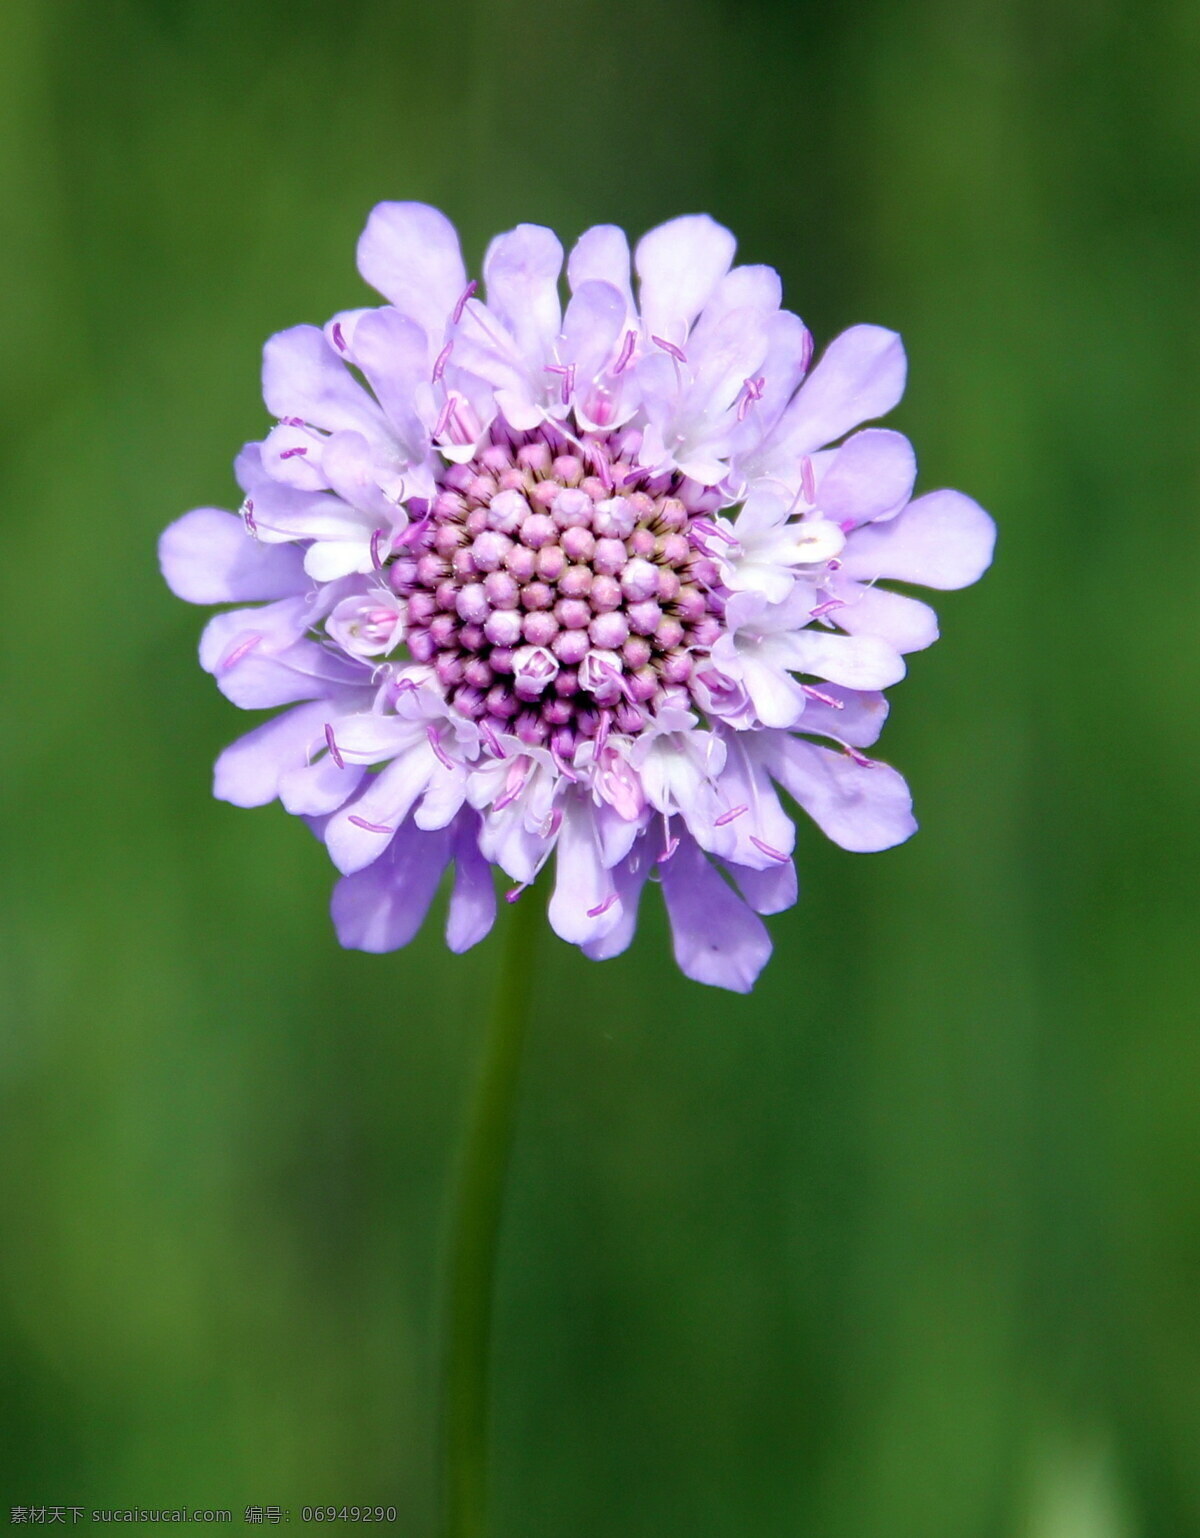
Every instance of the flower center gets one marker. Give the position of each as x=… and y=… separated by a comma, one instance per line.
x=559, y=589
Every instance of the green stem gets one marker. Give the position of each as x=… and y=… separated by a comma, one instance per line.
x=475, y=1232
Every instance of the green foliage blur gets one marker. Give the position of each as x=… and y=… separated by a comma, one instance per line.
x=904, y=1245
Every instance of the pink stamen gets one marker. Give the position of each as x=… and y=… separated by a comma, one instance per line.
x=807, y=482
x=291, y=453
x=414, y=531
x=672, y=846
x=369, y=827
x=669, y=347
x=772, y=854
x=458, y=423
x=514, y=892
x=728, y=817
x=444, y=415
x=752, y=390
x=606, y=720
x=551, y=823
x=339, y=340
x=595, y=913
x=511, y=792
x=462, y=302
x=859, y=758
x=439, y=363
x=489, y=736
x=564, y=768
x=376, y=559
x=248, y=516
x=823, y=699
x=236, y=653
x=627, y=347
x=603, y=467
x=712, y=531
x=439, y=752
x=331, y=744
x=827, y=607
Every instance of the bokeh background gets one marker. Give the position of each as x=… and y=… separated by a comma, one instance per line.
x=905, y=1245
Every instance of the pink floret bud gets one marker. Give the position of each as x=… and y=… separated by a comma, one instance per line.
x=539, y=627
x=610, y=556
x=501, y=590
x=606, y=593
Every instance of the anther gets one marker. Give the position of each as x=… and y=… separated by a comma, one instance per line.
x=236, y=653
x=331, y=744
x=439, y=364
x=595, y=913
x=727, y=817
x=369, y=827
x=771, y=853
x=462, y=302
x=339, y=340
x=626, y=354
x=669, y=347
x=822, y=699
x=488, y=734
x=435, y=742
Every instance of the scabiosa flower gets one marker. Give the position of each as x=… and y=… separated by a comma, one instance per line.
x=591, y=582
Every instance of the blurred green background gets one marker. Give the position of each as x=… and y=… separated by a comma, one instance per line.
x=908, y=1242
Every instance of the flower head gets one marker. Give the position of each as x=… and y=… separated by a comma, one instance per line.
x=590, y=583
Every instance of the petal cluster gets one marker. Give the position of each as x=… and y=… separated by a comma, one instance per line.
x=592, y=581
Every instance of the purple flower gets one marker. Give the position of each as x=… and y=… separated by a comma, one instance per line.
x=591, y=583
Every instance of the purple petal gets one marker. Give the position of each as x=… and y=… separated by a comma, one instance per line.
x=393, y=352
x=629, y=877
x=580, y=908
x=942, y=540
x=303, y=376
x=305, y=671
x=259, y=660
x=283, y=513
x=871, y=476
x=208, y=556
x=473, y=897
x=382, y=907
x=410, y=253
x=249, y=770
x=859, y=662
x=601, y=255
x=592, y=328
x=717, y=939
x=861, y=807
x=359, y=832
x=742, y=288
x=767, y=891
x=904, y=623
x=521, y=272
x=680, y=263
x=857, y=718
x=859, y=377
x=312, y=790
x=789, y=347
